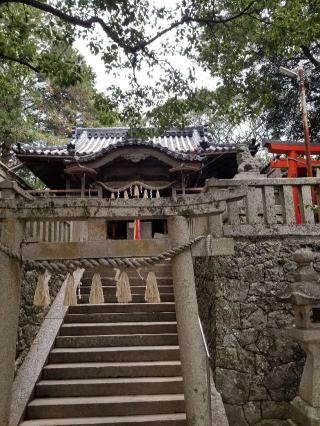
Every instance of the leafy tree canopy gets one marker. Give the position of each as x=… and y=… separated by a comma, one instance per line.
x=242, y=43
x=47, y=87
x=127, y=34
x=246, y=57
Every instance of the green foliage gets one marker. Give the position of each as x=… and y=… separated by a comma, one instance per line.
x=45, y=85
x=36, y=41
x=242, y=43
x=245, y=55
x=34, y=109
x=105, y=111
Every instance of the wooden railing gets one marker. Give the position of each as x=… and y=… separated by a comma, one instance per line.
x=48, y=231
x=270, y=203
x=96, y=193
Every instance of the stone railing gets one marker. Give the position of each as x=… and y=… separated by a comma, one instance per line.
x=281, y=205
x=73, y=193
x=250, y=207
x=48, y=231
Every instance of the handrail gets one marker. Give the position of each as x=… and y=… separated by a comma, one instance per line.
x=207, y=368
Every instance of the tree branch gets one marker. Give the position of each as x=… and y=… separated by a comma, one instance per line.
x=74, y=20
x=310, y=56
x=132, y=49
x=20, y=61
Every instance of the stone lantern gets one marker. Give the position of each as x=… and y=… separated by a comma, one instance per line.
x=304, y=294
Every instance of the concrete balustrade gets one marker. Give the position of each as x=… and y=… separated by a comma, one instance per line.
x=48, y=231
x=233, y=207
x=269, y=206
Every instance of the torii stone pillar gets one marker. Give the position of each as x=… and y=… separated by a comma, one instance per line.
x=191, y=345
x=10, y=278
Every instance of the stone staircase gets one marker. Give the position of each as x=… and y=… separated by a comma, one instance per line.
x=114, y=364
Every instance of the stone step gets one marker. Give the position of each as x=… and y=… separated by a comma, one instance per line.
x=177, y=419
x=116, y=340
x=93, y=370
x=135, y=289
x=105, y=406
x=109, y=281
x=163, y=272
x=136, y=298
x=122, y=308
x=119, y=354
x=131, y=271
x=119, y=317
x=118, y=328
x=109, y=387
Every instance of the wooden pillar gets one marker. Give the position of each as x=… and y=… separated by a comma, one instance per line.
x=10, y=282
x=68, y=186
x=68, y=183
x=183, y=184
x=83, y=185
x=192, y=352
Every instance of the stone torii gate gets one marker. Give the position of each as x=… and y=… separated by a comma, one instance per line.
x=16, y=208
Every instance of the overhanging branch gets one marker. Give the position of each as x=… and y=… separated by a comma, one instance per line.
x=309, y=55
x=19, y=61
x=113, y=35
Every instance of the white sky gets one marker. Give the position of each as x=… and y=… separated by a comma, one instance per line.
x=104, y=79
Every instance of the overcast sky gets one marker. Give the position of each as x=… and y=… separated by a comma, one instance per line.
x=104, y=79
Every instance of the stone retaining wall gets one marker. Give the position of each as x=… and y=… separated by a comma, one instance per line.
x=31, y=317
x=257, y=368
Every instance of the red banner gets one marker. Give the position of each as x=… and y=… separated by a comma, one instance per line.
x=136, y=230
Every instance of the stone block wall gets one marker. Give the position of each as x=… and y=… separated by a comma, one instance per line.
x=31, y=317
x=257, y=369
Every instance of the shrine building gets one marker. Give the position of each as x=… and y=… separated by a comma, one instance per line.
x=109, y=163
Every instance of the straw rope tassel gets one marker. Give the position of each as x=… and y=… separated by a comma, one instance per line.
x=117, y=271
x=136, y=192
x=70, y=295
x=96, y=292
x=123, y=289
x=152, y=292
x=42, y=295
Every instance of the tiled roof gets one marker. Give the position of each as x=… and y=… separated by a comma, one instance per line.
x=189, y=144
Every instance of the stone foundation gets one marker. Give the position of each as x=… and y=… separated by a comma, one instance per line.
x=31, y=317
x=256, y=367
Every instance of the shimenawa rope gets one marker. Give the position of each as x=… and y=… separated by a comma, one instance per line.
x=58, y=266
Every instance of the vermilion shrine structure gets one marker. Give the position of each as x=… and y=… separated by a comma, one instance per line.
x=290, y=157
